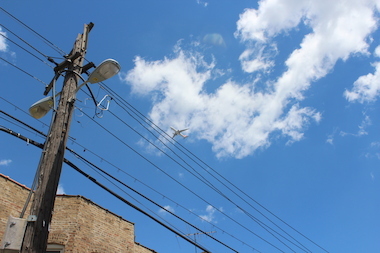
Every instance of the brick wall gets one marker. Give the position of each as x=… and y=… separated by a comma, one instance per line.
x=78, y=223
x=12, y=199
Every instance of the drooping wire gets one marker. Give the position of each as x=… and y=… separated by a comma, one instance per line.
x=148, y=119
x=185, y=187
x=24, y=71
x=26, y=113
x=202, y=161
x=143, y=196
x=49, y=43
x=260, y=223
x=119, y=169
x=45, y=62
x=25, y=48
x=96, y=169
x=264, y=228
x=163, y=133
x=108, y=190
x=208, y=183
x=35, y=56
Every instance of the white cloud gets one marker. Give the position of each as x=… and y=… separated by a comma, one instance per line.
x=165, y=209
x=238, y=118
x=331, y=137
x=60, y=189
x=296, y=119
x=205, y=4
x=330, y=140
x=258, y=59
x=5, y=162
x=377, y=51
x=3, y=44
x=214, y=39
x=209, y=217
x=235, y=119
x=362, y=128
x=366, y=88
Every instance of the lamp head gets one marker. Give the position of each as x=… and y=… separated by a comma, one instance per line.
x=41, y=107
x=105, y=70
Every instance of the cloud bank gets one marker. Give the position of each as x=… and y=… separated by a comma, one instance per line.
x=239, y=118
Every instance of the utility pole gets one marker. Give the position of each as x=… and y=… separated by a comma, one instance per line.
x=50, y=166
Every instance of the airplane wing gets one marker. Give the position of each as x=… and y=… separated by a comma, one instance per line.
x=183, y=130
x=175, y=130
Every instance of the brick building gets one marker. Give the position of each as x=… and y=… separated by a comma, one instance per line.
x=78, y=224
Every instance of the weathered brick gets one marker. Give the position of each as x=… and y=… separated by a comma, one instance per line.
x=78, y=223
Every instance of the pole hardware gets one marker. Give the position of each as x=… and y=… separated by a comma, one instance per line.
x=32, y=218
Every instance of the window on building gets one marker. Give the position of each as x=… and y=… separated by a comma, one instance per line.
x=55, y=248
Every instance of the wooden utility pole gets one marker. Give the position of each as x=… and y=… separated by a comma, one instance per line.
x=50, y=166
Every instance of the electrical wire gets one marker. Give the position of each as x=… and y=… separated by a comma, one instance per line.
x=108, y=190
x=24, y=71
x=8, y=101
x=185, y=187
x=2, y=25
x=119, y=169
x=163, y=133
x=151, y=201
x=96, y=167
x=99, y=171
x=49, y=43
x=26, y=49
x=260, y=223
x=209, y=184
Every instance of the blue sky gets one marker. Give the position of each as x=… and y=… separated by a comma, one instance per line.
x=281, y=99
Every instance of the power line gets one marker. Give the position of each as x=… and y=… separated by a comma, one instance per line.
x=143, y=196
x=251, y=217
x=96, y=167
x=25, y=48
x=105, y=188
x=191, y=191
x=163, y=133
x=24, y=112
x=23, y=71
x=198, y=159
x=132, y=205
x=56, y=48
x=208, y=183
x=260, y=223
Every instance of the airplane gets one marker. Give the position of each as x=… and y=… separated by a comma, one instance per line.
x=178, y=132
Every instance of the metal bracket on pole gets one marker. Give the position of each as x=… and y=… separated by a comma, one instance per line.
x=14, y=234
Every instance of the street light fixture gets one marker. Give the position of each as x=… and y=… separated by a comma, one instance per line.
x=104, y=71
x=41, y=107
